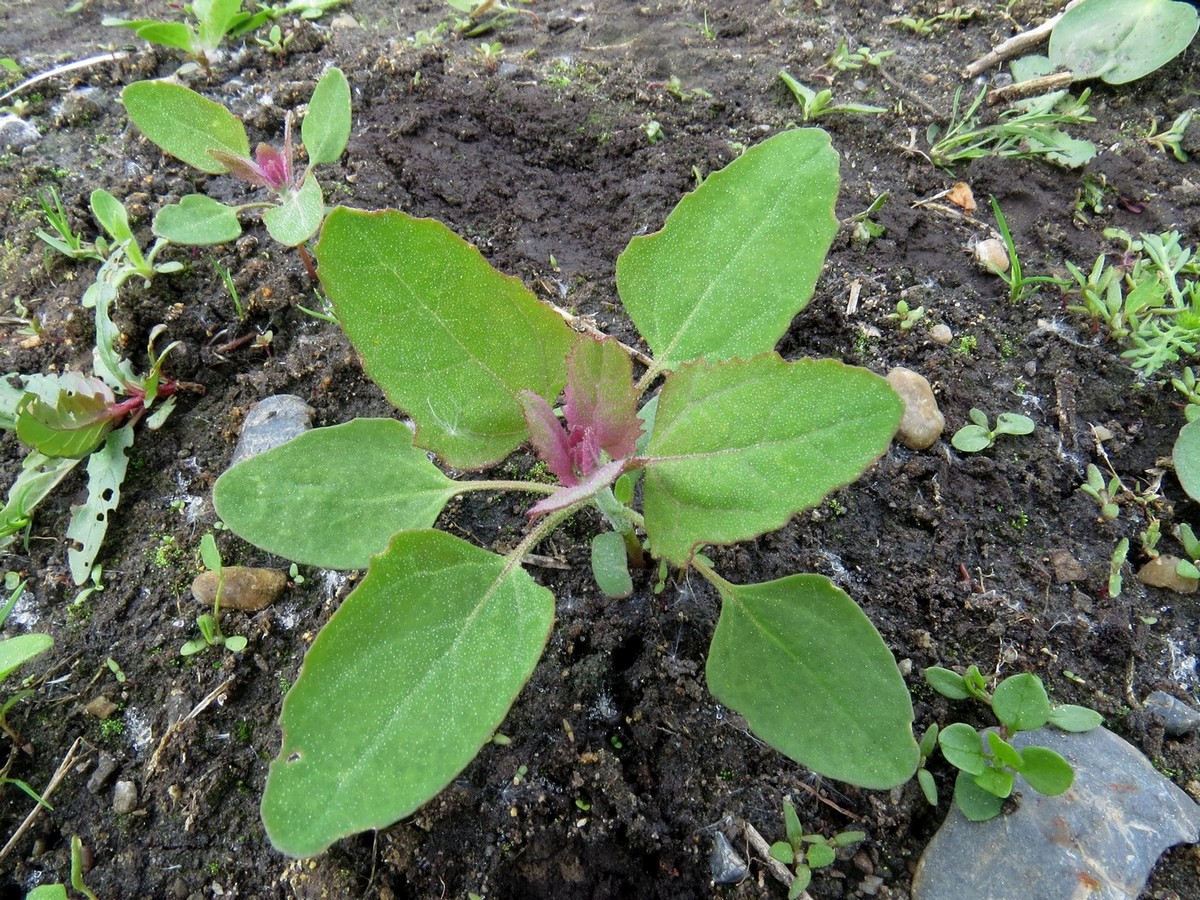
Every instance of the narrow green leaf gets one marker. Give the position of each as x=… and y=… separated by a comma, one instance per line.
x=1121, y=40
x=739, y=256
x=299, y=216
x=1020, y=702
x=976, y=804
x=16, y=651
x=39, y=475
x=449, y=339
x=963, y=747
x=111, y=214
x=947, y=683
x=325, y=130
x=333, y=497
x=740, y=447
x=1069, y=717
x=610, y=565
x=813, y=678
x=791, y=824
x=89, y=521
x=184, y=124
x=1046, y=771
x=928, y=786
x=928, y=742
x=197, y=220
x=410, y=677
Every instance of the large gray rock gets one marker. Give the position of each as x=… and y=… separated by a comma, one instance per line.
x=1099, y=840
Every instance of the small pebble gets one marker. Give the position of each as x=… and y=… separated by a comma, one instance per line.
x=100, y=707
x=1160, y=572
x=245, y=588
x=941, y=334
x=16, y=133
x=1066, y=567
x=923, y=423
x=271, y=422
x=1177, y=717
x=125, y=797
x=724, y=863
x=991, y=255
x=106, y=767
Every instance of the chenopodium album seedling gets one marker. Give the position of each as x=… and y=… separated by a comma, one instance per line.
x=986, y=761
x=420, y=664
x=979, y=435
x=208, y=137
x=805, y=852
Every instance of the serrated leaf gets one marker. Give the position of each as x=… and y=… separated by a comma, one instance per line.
x=299, y=216
x=89, y=521
x=803, y=664
x=1046, y=771
x=963, y=747
x=740, y=447
x=333, y=497
x=1069, y=717
x=1121, y=40
x=325, y=130
x=1020, y=702
x=738, y=257
x=471, y=339
x=947, y=683
x=73, y=423
x=197, y=220
x=410, y=677
x=184, y=124
x=610, y=565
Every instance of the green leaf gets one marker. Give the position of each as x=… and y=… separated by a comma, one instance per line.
x=184, y=124
x=976, y=804
x=610, y=565
x=412, y=675
x=215, y=18
x=928, y=742
x=73, y=422
x=48, y=892
x=791, y=824
x=1004, y=753
x=299, y=216
x=928, y=786
x=111, y=214
x=89, y=521
x=16, y=651
x=1046, y=771
x=803, y=880
x=197, y=220
x=813, y=678
x=236, y=643
x=169, y=34
x=39, y=475
x=1121, y=40
x=820, y=855
x=1069, y=717
x=738, y=257
x=1020, y=702
x=1013, y=423
x=333, y=497
x=947, y=683
x=325, y=130
x=963, y=747
x=449, y=339
x=996, y=781
x=971, y=439
x=1187, y=458
x=740, y=447
x=782, y=851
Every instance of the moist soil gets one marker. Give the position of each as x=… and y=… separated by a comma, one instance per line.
x=621, y=766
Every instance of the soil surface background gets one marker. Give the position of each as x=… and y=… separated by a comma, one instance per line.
x=540, y=156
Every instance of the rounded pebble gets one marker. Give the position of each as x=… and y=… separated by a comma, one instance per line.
x=941, y=334
x=125, y=797
x=1160, y=572
x=245, y=588
x=922, y=423
x=271, y=422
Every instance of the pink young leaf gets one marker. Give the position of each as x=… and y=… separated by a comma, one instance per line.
x=548, y=436
x=244, y=169
x=600, y=396
x=585, y=490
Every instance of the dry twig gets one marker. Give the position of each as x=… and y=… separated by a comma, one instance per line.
x=1018, y=43
x=59, y=774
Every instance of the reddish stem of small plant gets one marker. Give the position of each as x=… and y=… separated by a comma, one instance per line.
x=307, y=259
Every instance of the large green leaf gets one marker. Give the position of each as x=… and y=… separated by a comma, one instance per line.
x=412, y=675
x=813, y=678
x=1121, y=40
x=449, y=339
x=738, y=257
x=333, y=497
x=326, y=126
x=70, y=422
x=740, y=447
x=1187, y=458
x=15, y=651
x=184, y=124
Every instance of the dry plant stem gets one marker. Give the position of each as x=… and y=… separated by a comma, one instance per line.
x=175, y=726
x=1031, y=87
x=777, y=869
x=578, y=323
x=1016, y=44
x=59, y=774
x=63, y=69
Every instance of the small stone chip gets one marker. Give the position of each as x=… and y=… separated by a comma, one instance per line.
x=245, y=588
x=1160, y=572
x=125, y=797
x=100, y=707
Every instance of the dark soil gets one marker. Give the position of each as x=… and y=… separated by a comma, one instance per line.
x=548, y=155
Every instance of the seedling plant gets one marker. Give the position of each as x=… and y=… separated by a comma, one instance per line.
x=805, y=852
x=210, y=624
x=979, y=435
x=814, y=104
x=416, y=670
x=1020, y=287
x=987, y=763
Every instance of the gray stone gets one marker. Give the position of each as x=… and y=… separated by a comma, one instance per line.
x=1098, y=840
x=270, y=423
x=724, y=863
x=1176, y=716
x=16, y=133
x=125, y=797
x=106, y=767
x=922, y=423
x=941, y=334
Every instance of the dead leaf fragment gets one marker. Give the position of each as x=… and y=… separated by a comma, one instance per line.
x=962, y=197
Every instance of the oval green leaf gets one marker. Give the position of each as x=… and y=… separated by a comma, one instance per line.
x=1121, y=40
x=1046, y=771
x=450, y=340
x=1069, y=717
x=1020, y=702
x=971, y=439
x=610, y=565
x=333, y=497
x=738, y=257
x=197, y=220
x=1187, y=458
x=973, y=801
x=947, y=683
x=740, y=447
x=184, y=124
x=963, y=747
x=813, y=678
x=412, y=675
x=299, y=216
x=325, y=130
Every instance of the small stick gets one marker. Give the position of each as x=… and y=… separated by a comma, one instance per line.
x=579, y=324
x=777, y=869
x=58, y=776
x=852, y=301
x=63, y=69
x=1018, y=43
x=175, y=726
x=1031, y=87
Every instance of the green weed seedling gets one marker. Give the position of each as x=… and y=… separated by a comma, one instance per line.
x=864, y=228
x=1103, y=492
x=59, y=891
x=1171, y=139
x=276, y=42
x=210, y=624
x=168, y=114
x=15, y=652
x=846, y=60
x=805, y=852
x=925, y=26
x=978, y=435
x=986, y=761
x=1020, y=286
x=210, y=22
x=1190, y=567
x=905, y=316
x=814, y=104
x=420, y=664
x=483, y=16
